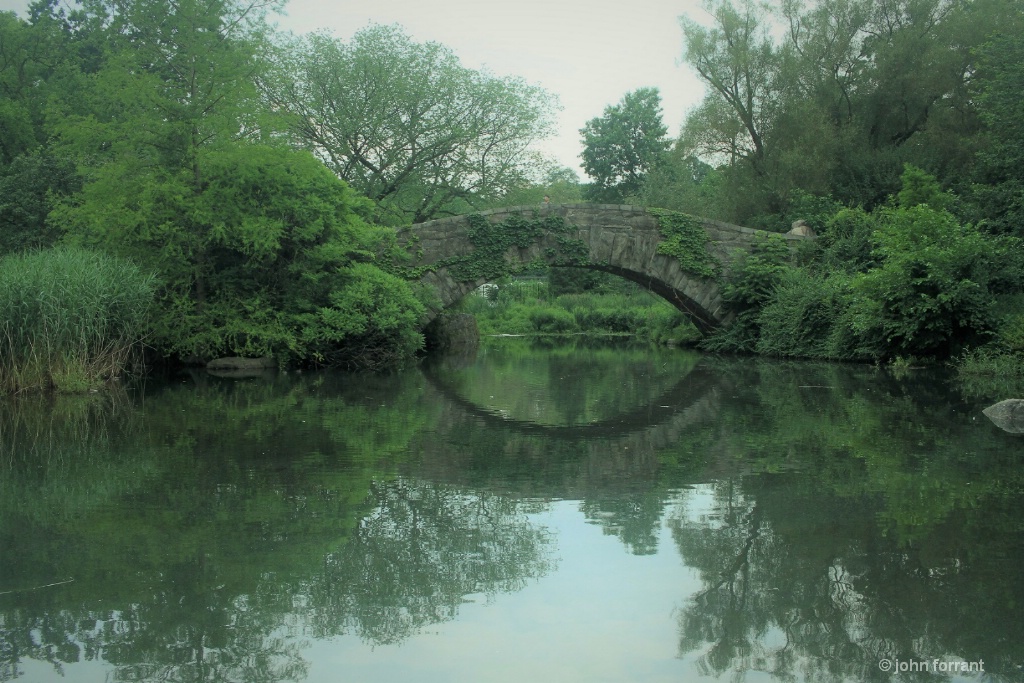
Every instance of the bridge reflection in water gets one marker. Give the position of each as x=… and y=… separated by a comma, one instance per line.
x=660, y=418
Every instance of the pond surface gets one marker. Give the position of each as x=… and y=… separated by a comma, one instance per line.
x=569, y=513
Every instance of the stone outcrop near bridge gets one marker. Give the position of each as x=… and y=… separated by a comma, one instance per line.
x=618, y=239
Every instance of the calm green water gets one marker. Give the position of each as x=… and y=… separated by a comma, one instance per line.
x=524, y=514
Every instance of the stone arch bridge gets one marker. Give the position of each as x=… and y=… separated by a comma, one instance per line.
x=456, y=255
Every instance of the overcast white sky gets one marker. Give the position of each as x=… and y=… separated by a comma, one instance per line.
x=587, y=52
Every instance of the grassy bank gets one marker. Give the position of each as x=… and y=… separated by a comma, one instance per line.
x=991, y=371
x=70, y=319
x=529, y=306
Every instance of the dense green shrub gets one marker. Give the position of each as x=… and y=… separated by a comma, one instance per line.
x=755, y=273
x=811, y=315
x=931, y=293
x=902, y=281
x=552, y=320
x=846, y=242
x=1010, y=331
x=371, y=320
x=918, y=187
x=799, y=318
x=69, y=318
x=273, y=257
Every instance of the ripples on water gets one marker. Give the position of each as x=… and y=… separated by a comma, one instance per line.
x=569, y=513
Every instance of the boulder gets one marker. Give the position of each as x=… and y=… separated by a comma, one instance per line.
x=1008, y=415
x=802, y=228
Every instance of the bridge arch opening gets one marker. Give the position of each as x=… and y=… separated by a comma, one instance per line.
x=701, y=319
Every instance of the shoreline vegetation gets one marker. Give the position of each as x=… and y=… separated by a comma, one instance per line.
x=181, y=182
x=81, y=318
x=70, y=320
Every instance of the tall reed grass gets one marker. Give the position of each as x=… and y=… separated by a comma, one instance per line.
x=70, y=319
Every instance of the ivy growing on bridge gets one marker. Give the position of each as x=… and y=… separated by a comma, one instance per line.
x=491, y=241
x=685, y=239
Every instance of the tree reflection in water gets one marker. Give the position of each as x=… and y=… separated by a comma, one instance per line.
x=835, y=516
x=419, y=554
x=797, y=585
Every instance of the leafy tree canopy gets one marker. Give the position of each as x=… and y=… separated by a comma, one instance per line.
x=839, y=102
x=998, y=193
x=624, y=144
x=273, y=257
x=406, y=124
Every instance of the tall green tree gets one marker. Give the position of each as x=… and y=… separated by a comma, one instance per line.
x=739, y=123
x=852, y=91
x=38, y=57
x=19, y=66
x=624, y=144
x=178, y=79
x=738, y=59
x=406, y=124
x=176, y=85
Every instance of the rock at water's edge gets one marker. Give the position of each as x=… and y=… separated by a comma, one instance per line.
x=1008, y=415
